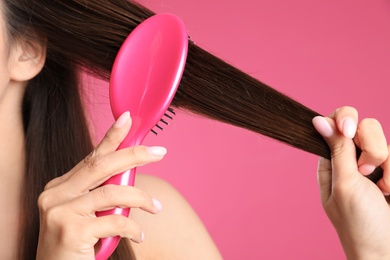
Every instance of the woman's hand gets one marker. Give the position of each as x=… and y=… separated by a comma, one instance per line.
x=356, y=206
x=69, y=228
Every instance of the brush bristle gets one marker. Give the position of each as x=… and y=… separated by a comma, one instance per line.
x=164, y=121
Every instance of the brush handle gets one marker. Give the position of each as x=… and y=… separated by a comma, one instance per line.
x=108, y=245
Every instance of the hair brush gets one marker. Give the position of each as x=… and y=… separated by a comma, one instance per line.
x=144, y=79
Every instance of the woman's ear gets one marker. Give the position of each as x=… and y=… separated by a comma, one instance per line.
x=27, y=60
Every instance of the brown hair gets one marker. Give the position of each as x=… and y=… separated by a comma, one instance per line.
x=89, y=34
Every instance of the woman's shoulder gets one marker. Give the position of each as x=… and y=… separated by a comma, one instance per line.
x=153, y=184
x=174, y=233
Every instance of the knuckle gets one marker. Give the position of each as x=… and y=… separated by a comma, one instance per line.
x=381, y=155
x=377, y=146
x=138, y=155
x=50, y=184
x=121, y=223
x=338, y=149
x=140, y=201
x=144, y=198
x=141, y=197
x=347, y=110
x=135, y=232
x=67, y=230
x=344, y=110
x=51, y=216
x=90, y=156
x=98, y=163
x=111, y=137
x=133, y=151
x=128, y=228
x=369, y=125
x=44, y=201
x=377, y=154
x=106, y=191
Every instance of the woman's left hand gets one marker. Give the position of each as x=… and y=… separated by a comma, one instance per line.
x=355, y=205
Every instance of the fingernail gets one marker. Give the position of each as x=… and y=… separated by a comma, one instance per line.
x=349, y=127
x=142, y=236
x=157, y=151
x=157, y=204
x=322, y=126
x=122, y=120
x=366, y=169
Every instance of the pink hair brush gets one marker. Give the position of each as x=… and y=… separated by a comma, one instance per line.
x=144, y=79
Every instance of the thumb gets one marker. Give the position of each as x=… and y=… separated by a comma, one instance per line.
x=324, y=178
x=338, y=134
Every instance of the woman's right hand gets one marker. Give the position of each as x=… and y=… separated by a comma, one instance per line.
x=69, y=228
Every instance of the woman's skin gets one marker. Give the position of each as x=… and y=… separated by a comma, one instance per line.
x=69, y=228
x=16, y=68
x=356, y=206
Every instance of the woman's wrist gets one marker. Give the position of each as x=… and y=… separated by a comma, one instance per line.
x=360, y=252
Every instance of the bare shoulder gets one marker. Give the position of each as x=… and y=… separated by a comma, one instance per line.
x=154, y=185
x=176, y=232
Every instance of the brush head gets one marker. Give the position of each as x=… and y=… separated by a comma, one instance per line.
x=147, y=72
x=164, y=121
x=144, y=79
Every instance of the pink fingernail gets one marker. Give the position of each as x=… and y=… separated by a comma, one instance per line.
x=366, y=169
x=157, y=204
x=322, y=126
x=122, y=120
x=157, y=151
x=349, y=127
x=142, y=236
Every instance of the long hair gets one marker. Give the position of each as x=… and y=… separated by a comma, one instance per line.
x=89, y=34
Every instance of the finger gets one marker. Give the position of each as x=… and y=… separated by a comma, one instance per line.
x=103, y=167
x=346, y=119
x=343, y=152
x=114, y=136
x=115, y=225
x=111, y=196
x=384, y=182
x=372, y=141
x=324, y=178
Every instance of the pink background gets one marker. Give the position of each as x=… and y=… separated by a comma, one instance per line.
x=259, y=198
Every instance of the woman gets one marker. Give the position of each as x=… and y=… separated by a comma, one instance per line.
x=46, y=137
x=46, y=151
